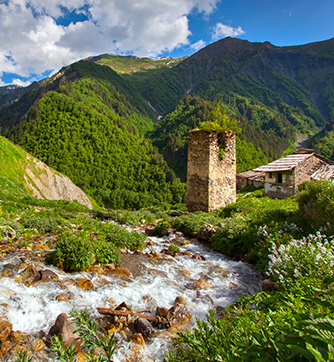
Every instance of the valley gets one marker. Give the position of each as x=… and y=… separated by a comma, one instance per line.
x=258, y=273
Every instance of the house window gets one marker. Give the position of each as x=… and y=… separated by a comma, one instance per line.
x=288, y=177
x=270, y=175
x=279, y=178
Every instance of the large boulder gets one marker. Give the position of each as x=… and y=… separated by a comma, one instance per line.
x=63, y=328
x=144, y=327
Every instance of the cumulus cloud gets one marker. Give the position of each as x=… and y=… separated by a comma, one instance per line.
x=221, y=31
x=35, y=41
x=198, y=45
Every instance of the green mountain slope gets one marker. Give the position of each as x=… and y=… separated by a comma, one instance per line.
x=90, y=128
x=275, y=92
x=89, y=120
x=171, y=137
x=22, y=175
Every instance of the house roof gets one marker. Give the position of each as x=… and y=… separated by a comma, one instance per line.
x=287, y=163
x=325, y=172
x=252, y=175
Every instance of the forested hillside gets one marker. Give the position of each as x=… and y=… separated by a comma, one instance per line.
x=171, y=136
x=91, y=130
x=275, y=92
x=95, y=120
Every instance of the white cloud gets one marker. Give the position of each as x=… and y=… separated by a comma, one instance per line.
x=221, y=31
x=198, y=45
x=33, y=42
x=21, y=82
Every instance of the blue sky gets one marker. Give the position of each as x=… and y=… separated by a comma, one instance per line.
x=38, y=37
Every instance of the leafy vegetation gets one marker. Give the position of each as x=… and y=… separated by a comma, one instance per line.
x=295, y=323
x=80, y=130
x=171, y=136
x=91, y=341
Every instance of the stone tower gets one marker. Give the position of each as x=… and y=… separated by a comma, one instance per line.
x=211, y=175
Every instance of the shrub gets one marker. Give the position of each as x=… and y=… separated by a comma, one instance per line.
x=41, y=224
x=106, y=252
x=316, y=204
x=191, y=223
x=73, y=252
x=173, y=247
x=121, y=237
x=301, y=260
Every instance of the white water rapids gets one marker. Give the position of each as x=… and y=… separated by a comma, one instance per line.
x=35, y=308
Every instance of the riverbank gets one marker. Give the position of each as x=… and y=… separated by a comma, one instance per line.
x=34, y=293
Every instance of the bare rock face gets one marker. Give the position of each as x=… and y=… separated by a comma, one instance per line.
x=47, y=183
x=63, y=328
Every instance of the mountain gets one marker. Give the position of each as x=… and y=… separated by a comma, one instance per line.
x=106, y=120
x=275, y=92
x=12, y=92
x=23, y=175
x=88, y=123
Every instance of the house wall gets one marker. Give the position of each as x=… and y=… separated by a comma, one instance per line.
x=211, y=181
x=299, y=174
x=304, y=170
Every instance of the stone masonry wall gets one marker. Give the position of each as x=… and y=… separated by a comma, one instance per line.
x=211, y=180
x=304, y=170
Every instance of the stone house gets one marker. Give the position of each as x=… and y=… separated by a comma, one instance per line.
x=283, y=176
x=250, y=178
x=211, y=172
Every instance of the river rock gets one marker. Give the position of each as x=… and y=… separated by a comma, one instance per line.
x=96, y=269
x=143, y=326
x=15, y=336
x=205, y=232
x=37, y=345
x=167, y=230
x=5, y=347
x=48, y=275
x=150, y=230
x=161, y=312
x=85, y=284
x=123, y=272
x=138, y=338
x=149, y=242
x=63, y=328
x=178, y=316
x=61, y=298
x=179, y=300
x=111, y=266
x=5, y=329
x=202, y=284
x=30, y=275
x=269, y=286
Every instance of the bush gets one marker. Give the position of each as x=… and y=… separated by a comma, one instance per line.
x=316, y=204
x=191, y=223
x=106, y=252
x=300, y=261
x=41, y=224
x=74, y=251
x=121, y=237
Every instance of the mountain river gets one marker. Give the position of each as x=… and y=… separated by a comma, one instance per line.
x=33, y=308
